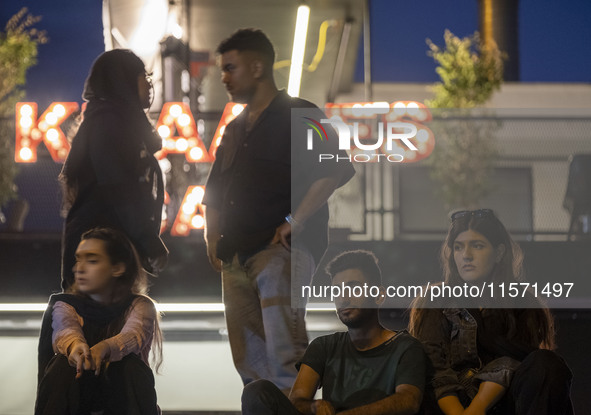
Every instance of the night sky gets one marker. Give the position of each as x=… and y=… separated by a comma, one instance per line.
x=554, y=41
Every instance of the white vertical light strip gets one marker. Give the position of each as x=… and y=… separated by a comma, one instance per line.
x=297, y=53
x=107, y=25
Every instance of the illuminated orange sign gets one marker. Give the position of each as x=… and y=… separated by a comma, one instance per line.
x=190, y=216
x=177, y=116
x=231, y=111
x=176, y=126
x=30, y=131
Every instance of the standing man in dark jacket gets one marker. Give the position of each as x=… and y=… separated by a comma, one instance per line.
x=266, y=213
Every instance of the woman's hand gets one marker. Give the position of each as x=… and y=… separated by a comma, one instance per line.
x=99, y=353
x=79, y=357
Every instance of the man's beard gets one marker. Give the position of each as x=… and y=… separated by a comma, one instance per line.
x=360, y=318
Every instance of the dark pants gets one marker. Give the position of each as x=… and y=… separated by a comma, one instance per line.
x=124, y=388
x=540, y=386
x=262, y=397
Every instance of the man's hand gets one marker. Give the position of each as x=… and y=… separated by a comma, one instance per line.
x=99, y=353
x=283, y=235
x=286, y=231
x=215, y=262
x=321, y=407
x=79, y=357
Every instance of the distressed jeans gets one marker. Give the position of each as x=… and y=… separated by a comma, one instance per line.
x=267, y=332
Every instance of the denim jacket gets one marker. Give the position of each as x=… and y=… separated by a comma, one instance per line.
x=450, y=341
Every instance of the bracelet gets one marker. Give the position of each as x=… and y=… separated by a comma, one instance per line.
x=291, y=220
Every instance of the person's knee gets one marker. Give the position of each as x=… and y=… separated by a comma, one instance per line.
x=549, y=362
x=60, y=360
x=131, y=367
x=59, y=366
x=129, y=387
x=132, y=361
x=543, y=367
x=259, y=392
x=541, y=384
x=258, y=387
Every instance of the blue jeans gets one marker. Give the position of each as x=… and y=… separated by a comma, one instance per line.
x=267, y=331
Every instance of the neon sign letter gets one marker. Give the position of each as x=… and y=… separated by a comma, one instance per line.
x=30, y=131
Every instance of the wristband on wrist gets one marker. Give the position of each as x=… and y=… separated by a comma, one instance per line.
x=291, y=220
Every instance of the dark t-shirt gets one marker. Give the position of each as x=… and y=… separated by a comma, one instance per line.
x=351, y=378
x=260, y=174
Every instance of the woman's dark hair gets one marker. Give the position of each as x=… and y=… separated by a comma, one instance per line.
x=133, y=281
x=120, y=250
x=533, y=327
x=112, y=83
x=113, y=77
x=484, y=221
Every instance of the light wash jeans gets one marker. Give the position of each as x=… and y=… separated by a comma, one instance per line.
x=267, y=332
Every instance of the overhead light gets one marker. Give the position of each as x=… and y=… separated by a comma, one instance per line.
x=297, y=54
x=150, y=29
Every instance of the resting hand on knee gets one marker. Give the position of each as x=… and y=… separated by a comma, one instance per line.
x=99, y=353
x=79, y=357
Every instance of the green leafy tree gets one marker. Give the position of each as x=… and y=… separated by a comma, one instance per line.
x=465, y=149
x=470, y=72
x=18, y=52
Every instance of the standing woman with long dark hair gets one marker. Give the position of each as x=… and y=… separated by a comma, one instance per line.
x=488, y=356
x=111, y=177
